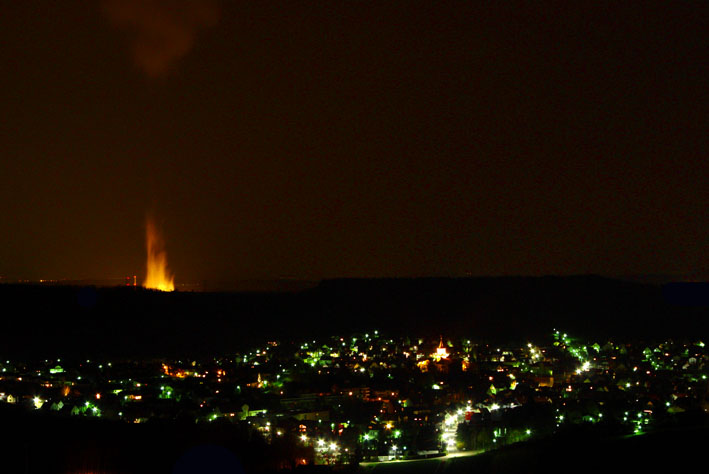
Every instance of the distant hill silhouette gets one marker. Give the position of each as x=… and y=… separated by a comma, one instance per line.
x=55, y=321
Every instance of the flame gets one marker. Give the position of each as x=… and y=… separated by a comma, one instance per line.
x=158, y=277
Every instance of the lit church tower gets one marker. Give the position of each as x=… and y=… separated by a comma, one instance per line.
x=441, y=352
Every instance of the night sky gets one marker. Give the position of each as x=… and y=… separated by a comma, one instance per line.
x=315, y=139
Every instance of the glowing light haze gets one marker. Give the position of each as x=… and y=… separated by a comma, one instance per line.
x=158, y=277
x=303, y=140
x=160, y=31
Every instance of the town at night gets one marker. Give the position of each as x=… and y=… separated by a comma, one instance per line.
x=353, y=236
x=359, y=400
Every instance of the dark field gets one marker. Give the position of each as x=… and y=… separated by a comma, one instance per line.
x=43, y=321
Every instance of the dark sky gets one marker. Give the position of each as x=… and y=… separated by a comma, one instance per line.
x=314, y=139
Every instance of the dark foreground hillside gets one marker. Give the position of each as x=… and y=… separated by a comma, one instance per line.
x=33, y=443
x=680, y=450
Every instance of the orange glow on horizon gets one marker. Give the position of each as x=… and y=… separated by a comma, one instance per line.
x=158, y=277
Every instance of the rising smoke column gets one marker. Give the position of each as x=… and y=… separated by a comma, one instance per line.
x=160, y=31
x=157, y=277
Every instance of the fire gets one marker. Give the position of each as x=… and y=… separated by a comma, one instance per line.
x=158, y=277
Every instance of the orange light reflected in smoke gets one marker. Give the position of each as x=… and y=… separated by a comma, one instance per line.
x=158, y=277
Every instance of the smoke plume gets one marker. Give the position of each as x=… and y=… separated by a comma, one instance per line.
x=158, y=276
x=160, y=31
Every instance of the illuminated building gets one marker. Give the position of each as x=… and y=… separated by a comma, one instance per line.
x=441, y=352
